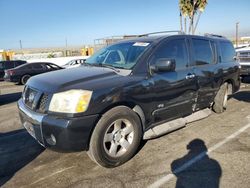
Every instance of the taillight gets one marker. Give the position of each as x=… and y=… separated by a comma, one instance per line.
x=11, y=72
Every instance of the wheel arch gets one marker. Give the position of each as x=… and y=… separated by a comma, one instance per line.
x=231, y=85
x=133, y=106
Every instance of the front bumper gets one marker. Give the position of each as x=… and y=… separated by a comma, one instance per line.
x=61, y=134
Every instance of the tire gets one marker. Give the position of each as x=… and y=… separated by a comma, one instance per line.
x=24, y=79
x=116, y=137
x=220, y=100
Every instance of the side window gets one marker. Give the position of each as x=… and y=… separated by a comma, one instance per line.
x=37, y=66
x=202, y=52
x=174, y=49
x=227, y=52
x=214, y=49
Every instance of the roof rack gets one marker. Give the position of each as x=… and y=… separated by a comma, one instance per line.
x=160, y=32
x=213, y=35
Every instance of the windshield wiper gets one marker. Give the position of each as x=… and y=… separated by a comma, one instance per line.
x=103, y=65
x=109, y=66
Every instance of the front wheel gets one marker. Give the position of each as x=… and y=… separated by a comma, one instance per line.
x=116, y=137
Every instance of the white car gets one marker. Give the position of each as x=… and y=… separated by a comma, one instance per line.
x=243, y=55
x=74, y=63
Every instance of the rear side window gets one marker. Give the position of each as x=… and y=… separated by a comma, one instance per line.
x=227, y=52
x=37, y=66
x=202, y=52
x=175, y=49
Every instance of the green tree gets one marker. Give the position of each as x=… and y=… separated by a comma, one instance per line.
x=189, y=9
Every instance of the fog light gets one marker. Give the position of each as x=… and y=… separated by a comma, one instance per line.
x=51, y=140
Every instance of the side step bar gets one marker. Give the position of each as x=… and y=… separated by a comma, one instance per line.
x=175, y=124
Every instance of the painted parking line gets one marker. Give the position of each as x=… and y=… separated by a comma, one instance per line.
x=168, y=177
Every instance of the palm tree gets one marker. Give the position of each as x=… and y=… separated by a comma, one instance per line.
x=189, y=8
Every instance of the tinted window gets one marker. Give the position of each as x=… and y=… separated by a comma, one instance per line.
x=9, y=65
x=174, y=49
x=227, y=51
x=37, y=66
x=17, y=63
x=202, y=52
x=214, y=49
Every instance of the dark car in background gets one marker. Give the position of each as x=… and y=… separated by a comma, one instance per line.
x=22, y=73
x=132, y=90
x=4, y=65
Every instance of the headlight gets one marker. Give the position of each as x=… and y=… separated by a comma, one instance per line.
x=72, y=101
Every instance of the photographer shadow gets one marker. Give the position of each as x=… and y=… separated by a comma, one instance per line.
x=196, y=169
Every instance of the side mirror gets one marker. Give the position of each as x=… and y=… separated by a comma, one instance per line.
x=164, y=65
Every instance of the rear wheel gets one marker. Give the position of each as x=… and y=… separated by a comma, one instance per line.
x=116, y=137
x=220, y=101
x=24, y=79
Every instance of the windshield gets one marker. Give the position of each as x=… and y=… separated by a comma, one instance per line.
x=123, y=55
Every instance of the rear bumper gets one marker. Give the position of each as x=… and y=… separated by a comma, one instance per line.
x=11, y=79
x=61, y=134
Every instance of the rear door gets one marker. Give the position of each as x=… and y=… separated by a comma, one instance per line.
x=206, y=70
x=38, y=69
x=175, y=92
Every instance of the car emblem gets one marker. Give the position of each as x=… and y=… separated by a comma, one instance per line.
x=31, y=97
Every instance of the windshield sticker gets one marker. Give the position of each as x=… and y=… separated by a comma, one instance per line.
x=141, y=44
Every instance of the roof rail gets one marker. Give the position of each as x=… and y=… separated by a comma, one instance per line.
x=213, y=35
x=160, y=32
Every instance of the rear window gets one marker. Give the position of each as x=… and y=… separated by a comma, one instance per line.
x=227, y=52
x=17, y=63
x=202, y=52
x=9, y=65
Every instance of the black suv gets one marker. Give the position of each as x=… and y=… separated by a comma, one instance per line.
x=129, y=91
x=4, y=65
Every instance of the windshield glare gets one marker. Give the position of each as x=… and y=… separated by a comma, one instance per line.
x=123, y=55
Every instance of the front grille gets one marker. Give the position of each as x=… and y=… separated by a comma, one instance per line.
x=35, y=100
x=244, y=59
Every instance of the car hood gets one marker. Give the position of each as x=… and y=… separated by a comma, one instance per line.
x=75, y=78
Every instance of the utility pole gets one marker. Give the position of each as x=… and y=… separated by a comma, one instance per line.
x=21, y=45
x=237, y=33
x=66, y=47
x=66, y=42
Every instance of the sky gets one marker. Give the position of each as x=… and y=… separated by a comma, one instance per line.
x=48, y=23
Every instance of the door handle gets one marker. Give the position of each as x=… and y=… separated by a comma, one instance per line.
x=190, y=76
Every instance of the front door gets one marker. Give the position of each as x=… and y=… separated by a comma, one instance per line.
x=175, y=91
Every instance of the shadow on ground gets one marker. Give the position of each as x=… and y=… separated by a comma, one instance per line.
x=9, y=98
x=196, y=169
x=242, y=96
x=17, y=149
